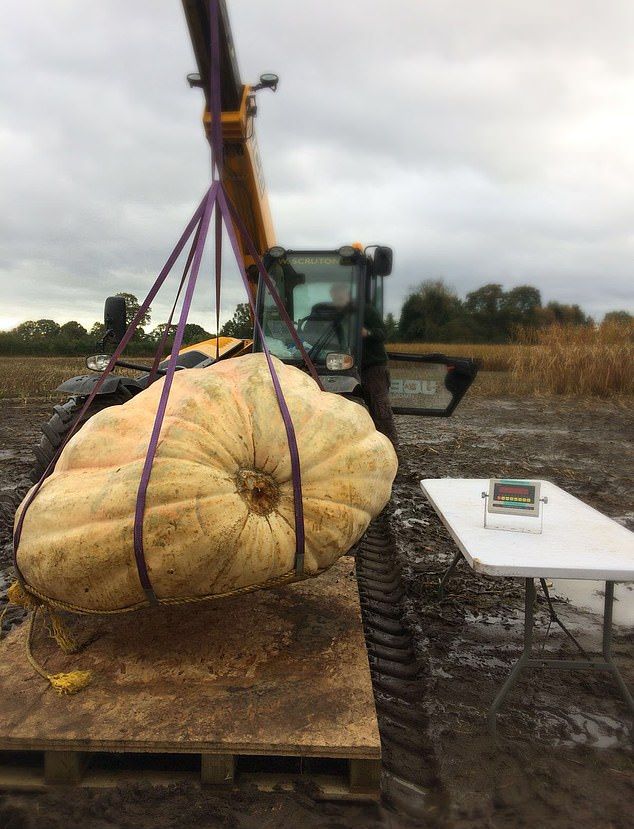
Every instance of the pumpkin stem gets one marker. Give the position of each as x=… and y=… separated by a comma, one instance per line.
x=259, y=490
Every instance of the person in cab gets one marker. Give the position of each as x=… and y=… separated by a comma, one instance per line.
x=375, y=376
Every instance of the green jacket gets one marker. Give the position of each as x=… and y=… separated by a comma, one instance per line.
x=374, y=353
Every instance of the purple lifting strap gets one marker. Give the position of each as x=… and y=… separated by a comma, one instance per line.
x=194, y=221
x=218, y=241
x=216, y=197
x=165, y=336
x=286, y=416
x=139, y=511
x=217, y=148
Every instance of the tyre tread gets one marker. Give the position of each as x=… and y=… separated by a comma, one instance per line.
x=54, y=431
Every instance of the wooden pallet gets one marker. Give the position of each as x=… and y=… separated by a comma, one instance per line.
x=332, y=778
x=270, y=687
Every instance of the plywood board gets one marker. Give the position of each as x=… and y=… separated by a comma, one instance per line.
x=281, y=671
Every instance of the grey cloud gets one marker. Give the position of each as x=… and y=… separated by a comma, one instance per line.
x=485, y=141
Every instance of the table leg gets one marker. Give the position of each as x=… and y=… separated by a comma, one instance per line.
x=607, y=644
x=529, y=617
x=527, y=660
x=448, y=572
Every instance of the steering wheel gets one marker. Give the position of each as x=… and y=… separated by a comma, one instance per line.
x=335, y=326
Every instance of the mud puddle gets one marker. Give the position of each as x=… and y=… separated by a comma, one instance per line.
x=589, y=595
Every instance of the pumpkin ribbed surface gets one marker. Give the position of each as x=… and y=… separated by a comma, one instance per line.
x=219, y=513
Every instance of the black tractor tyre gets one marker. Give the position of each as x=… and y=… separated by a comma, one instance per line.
x=55, y=430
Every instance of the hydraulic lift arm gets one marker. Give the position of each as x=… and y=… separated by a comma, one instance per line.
x=242, y=172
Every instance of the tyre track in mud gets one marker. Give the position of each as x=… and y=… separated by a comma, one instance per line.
x=410, y=782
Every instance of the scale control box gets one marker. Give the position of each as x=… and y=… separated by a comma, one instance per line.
x=510, y=497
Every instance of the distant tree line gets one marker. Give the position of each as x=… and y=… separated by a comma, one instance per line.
x=433, y=312
x=48, y=338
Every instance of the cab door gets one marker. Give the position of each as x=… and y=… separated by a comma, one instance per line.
x=430, y=385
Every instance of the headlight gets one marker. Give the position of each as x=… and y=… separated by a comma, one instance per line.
x=339, y=362
x=98, y=362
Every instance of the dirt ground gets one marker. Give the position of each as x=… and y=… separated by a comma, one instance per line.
x=564, y=756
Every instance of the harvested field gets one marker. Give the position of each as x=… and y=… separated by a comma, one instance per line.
x=35, y=378
x=565, y=758
x=567, y=360
x=24, y=378
x=491, y=357
x=574, y=361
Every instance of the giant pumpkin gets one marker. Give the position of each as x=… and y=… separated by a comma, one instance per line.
x=219, y=514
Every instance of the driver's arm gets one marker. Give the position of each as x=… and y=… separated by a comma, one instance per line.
x=373, y=324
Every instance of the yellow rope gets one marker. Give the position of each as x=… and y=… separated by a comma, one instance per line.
x=278, y=581
x=60, y=632
x=64, y=683
x=18, y=594
x=74, y=681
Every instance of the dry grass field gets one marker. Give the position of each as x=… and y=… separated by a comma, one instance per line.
x=576, y=361
x=31, y=377
x=34, y=378
x=492, y=357
x=560, y=360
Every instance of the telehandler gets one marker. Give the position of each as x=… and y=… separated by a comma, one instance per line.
x=422, y=384
x=311, y=701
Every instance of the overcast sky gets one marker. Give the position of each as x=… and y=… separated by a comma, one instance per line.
x=485, y=140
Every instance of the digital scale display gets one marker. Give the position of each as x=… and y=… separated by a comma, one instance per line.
x=513, y=497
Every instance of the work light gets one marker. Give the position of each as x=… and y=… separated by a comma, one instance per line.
x=269, y=80
x=98, y=362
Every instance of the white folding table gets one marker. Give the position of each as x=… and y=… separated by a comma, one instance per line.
x=577, y=542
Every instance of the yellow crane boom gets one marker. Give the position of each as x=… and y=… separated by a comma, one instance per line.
x=242, y=172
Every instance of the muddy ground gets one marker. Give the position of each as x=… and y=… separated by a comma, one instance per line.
x=564, y=756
